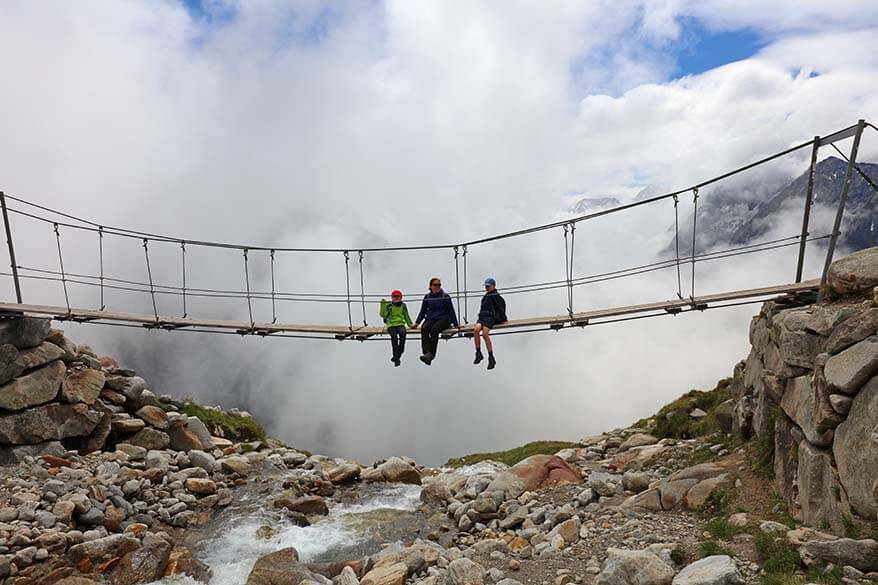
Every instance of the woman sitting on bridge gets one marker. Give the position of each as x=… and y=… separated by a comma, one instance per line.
x=492, y=312
x=437, y=313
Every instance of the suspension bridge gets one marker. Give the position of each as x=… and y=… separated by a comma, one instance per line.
x=686, y=256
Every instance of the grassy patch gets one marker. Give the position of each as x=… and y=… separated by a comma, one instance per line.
x=230, y=426
x=721, y=529
x=513, y=456
x=777, y=555
x=710, y=548
x=673, y=420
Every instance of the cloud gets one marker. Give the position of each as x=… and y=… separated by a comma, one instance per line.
x=399, y=123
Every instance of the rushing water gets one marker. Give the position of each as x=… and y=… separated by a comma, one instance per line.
x=250, y=528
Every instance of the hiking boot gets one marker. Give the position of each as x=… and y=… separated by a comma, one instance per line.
x=491, y=361
x=479, y=357
x=427, y=358
x=395, y=362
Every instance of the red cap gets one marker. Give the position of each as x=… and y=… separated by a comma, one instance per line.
x=396, y=293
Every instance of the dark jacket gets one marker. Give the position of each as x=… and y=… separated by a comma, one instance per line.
x=493, y=307
x=437, y=306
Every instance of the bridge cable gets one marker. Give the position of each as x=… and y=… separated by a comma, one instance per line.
x=857, y=167
x=155, y=309
x=273, y=309
x=247, y=280
x=183, y=256
x=570, y=266
x=101, y=258
x=61, y=264
x=347, y=260
x=362, y=289
x=694, y=231
x=465, y=297
x=677, y=245
x=457, y=277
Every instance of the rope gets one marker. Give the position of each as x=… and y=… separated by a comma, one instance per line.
x=362, y=289
x=183, y=255
x=457, y=277
x=465, y=299
x=694, y=229
x=273, y=309
x=857, y=167
x=347, y=260
x=61, y=264
x=155, y=309
x=101, y=256
x=247, y=280
x=677, y=245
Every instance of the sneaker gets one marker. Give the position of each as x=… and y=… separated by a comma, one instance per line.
x=396, y=363
x=491, y=362
x=479, y=358
x=427, y=358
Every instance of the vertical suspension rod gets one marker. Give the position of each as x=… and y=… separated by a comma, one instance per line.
x=465, y=293
x=155, y=309
x=457, y=276
x=247, y=282
x=347, y=274
x=809, y=199
x=183, y=256
x=362, y=288
x=11, y=248
x=694, y=232
x=101, y=258
x=61, y=265
x=677, y=245
x=273, y=307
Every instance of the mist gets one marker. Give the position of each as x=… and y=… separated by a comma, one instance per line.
x=364, y=125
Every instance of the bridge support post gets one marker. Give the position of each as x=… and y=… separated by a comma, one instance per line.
x=809, y=199
x=11, y=247
x=842, y=201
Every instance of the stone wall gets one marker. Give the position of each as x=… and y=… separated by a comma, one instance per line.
x=810, y=387
x=56, y=396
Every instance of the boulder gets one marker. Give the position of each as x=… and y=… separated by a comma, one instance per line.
x=712, y=570
x=638, y=440
x=854, y=273
x=635, y=481
x=806, y=402
x=131, y=387
x=648, y=500
x=786, y=460
x=48, y=422
x=396, y=470
x=282, y=568
x=436, y=493
x=40, y=355
x=150, y=438
x=56, y=337
x=24, y=332
x=798, y=348
x=673, y=492
x=345, y=473
x=181, y=562
x=98, y=437
x=852, y=331
x=464, y=572
x=847, y=371
x=724, y=415
x=12, y=455
x=133, y=452
x=844, y=552
x=182, y=439
x=82, y=386
x=697, y=496
x=201, y=459
x=144, y=565
x=821, y=498
x=89, y=554
x=388, y=574
x=154, y=416
x=308, y=505
x=35, y=388
x=633, y=567
x=197, y=427
x=856, y=452
x=533, y=472
x=236, y=464
x=11, y=364
x=127, y=424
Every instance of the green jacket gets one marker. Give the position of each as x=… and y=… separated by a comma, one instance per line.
x=394, y=316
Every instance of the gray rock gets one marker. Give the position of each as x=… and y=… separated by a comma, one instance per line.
x=807, y=404
x=799, y=348
x=82, y=386
x=134, y=452
x=849, y=370
x=712, y=570
x=203, y=460
x=627, y=567
x=144, y=565
x=11, y=365
x=35, y=388
x=45, y=519
x=821, y=498
x=197, y=427
x=93, y=517
x=12, y=455
x=853, y=330
x=156, y=459
x=150, y=438
x=856, y=452
x=840, y=403
x=638, y=440
x=786, y=459
x=131, y=386
x=464, y=572
x=98, y=550
x=24, y=332
x=635, y=481
x=48, y=422
x=854, y=273
x=398, y=471
x=860, y=554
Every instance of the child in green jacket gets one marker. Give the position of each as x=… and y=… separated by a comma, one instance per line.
x=396, y=319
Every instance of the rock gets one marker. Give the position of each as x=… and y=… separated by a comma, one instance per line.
x=808, y=406
x=821, y=498
x=197, y=427
x=854, y=273
x=127, y=425
x=144, y=565
x=200, y=486
x=860, y=554
x=697, y=413
x=75, y=580
x=630, y=567
x=786, y=459
x=24, y=332
x=182, y=439
x=638, y=440
x=698, y=495
x=82, y=386
x=150, y=438
x=134, y=452
x=48, y=422
x=345, y=473
x=856, y=452
x=396, y=470
x=40, y=355
x=533, y=472
x=712, y=570
x=181, y=562
x=201, y=459
x=798, y=348
x=281, y=568
x=739, y=520
x=389, y=574
x=236, y=464
x=131, y=386
x=847, y=371
x=840, y=403
x=852, y=331
x=92, y=553
x=113, y=397
x=11, y=365
x=12, y=455
x=724, y=414
x=154, y=416
x=35, y=388
x=308, y=505
x=635, y=481
x=568, y=530
x=436, y=493
x=91, y=517
x=464, y=572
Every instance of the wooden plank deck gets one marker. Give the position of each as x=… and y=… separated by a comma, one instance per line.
x=345, y=332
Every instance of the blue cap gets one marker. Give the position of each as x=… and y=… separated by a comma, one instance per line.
x=490, y=282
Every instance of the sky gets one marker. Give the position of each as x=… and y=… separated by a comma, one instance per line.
x=360, y=124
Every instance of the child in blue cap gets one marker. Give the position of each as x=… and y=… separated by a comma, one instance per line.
x=492, y=312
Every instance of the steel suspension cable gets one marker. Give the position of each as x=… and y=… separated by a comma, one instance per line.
x=677, y=245
x=457, y=277
x=694, y=231
x=465, y=298
x=61, y=264
x=857, y=167
x=347, y=273
x=183, y=256
x=155, y=308
x=362, y=289
x=101, y=259
x=247, y=280
x=273, y=308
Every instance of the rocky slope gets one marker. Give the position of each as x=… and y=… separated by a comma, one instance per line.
x=106, y=482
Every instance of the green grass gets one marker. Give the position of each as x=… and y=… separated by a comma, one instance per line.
x=513, y=456
x=721, y=529
x=673, y=419
x=230, y=426
x=710, y=548
x=777, y=555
